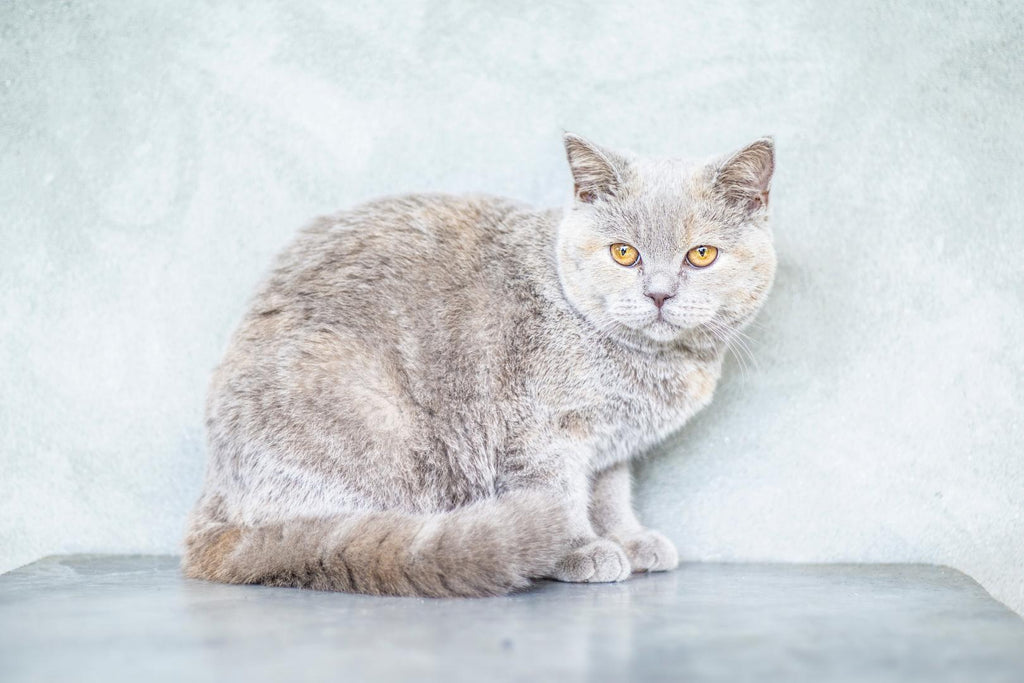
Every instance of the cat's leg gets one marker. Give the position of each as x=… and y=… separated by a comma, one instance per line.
x=613, y=517
x=589, y=558
x=563, y=471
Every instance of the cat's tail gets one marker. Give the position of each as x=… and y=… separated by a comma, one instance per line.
x=490, y=547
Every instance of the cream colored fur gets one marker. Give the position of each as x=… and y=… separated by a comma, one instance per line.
x=436, y=395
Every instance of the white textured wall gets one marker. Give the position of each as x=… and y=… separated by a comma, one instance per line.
x=153, y=157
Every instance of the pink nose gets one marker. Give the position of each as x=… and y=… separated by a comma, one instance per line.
x=659, y=298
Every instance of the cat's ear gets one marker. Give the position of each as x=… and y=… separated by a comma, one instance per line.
x=596, y=172
x=745, y=178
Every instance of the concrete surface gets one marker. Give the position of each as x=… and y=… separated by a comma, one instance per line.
x=110, y=618
x=155, y=155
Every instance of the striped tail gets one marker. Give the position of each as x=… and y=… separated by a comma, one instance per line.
x=490, y=547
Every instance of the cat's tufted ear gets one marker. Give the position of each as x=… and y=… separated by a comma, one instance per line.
x=746, y=177
x=596, y=172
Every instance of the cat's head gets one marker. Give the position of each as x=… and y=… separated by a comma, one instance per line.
x=667, y=252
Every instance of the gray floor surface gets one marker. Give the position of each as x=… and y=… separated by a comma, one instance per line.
x=92, y=617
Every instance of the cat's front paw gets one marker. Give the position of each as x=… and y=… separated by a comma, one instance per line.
x=649, y=551
x=598, y=561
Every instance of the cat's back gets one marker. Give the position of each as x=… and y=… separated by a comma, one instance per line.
x=436, y=289
x=397, y=249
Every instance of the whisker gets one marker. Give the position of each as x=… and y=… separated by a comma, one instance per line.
x=736, y=342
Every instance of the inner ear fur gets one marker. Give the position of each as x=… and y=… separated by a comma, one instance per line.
x=745, y=178
x=596, y=172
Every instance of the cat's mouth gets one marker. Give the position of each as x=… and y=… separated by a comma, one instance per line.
x=665, y=325
x=667, y=319
x=661, y=329
x=685, y=318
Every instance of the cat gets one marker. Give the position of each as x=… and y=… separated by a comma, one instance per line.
x=440, y=396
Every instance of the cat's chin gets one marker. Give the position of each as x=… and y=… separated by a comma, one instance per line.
x=662, y=331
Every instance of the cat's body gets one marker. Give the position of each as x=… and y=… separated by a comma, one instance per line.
x=418, y=402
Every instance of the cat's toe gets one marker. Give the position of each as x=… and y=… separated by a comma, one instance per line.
x=599, y=561
x=650, y=551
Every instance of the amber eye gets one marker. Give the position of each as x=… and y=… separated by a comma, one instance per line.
x=624, y=254
x=702, y=256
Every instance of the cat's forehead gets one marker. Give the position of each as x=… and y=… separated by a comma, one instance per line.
x=666, y=206
x=666, y=174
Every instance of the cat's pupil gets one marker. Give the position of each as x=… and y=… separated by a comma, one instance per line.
x=702, y=251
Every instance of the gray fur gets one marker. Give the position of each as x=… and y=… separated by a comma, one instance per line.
x=437, y=395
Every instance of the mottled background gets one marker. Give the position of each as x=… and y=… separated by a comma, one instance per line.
x=156, y=155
